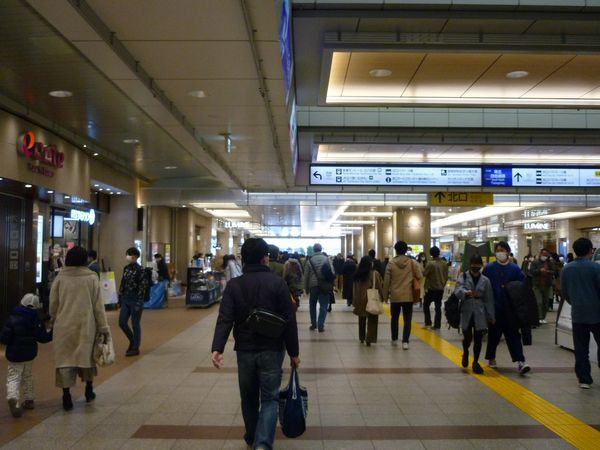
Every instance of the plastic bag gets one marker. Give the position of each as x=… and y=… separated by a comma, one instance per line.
x=104, y=350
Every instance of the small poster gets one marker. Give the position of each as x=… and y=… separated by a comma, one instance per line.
x=108, y=288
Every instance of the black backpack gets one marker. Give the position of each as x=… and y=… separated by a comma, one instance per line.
x=452, y=309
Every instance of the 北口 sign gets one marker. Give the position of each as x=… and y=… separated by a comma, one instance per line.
x=46, y=154
x=394, y=176
x=461, y=199
x=83, y=216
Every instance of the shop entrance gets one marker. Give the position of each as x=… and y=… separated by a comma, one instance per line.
x=12, y=252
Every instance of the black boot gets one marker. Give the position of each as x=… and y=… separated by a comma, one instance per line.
x=67, y=400
x=90, y=396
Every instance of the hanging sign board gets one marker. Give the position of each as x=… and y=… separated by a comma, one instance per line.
x=461, y=199
x=541, y=177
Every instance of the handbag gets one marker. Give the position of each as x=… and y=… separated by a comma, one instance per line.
x=374, y=303
x=416, y=285
x=266, y=323
x=104, y=350
x=293, y=407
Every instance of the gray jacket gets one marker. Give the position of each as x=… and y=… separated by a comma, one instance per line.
x=480, y=309
x=310, y=279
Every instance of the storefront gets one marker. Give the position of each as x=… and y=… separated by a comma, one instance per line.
x=46, y=207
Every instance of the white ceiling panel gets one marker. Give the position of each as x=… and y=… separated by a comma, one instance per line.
x=64, y=17
x=233, y=115
x=270, y=53
x=173, y=20
x=102, y=56
x=218, y=92
x=265, y=18
x=137, y=92
x=187, y=60
x=277, y=91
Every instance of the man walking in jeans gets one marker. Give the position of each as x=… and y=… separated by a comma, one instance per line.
x=312, y=275
x=580, y=287
x=436, y=276
x=259, y=358
x=132, y=293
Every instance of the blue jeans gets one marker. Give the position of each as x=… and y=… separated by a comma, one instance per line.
x=317, y=296
x=581, y=342
x=259, y=375
x=133, y=309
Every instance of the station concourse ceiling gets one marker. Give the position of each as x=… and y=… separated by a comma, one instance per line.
x=159, y=88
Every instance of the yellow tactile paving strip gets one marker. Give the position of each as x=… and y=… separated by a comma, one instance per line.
x=568, y=427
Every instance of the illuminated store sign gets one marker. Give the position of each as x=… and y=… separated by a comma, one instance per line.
x=48, y=155
x=536, y=226
x=386, y=175
x=83, y=216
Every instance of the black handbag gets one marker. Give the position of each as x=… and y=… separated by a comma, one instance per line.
x=266, y=323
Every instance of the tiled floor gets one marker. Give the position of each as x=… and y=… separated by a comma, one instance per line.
x=380, y=397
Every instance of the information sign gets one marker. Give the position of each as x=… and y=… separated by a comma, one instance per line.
x=384, y=175
x=540, y=177
x=461, y=199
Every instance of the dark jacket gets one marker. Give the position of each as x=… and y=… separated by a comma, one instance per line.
x=258, y=287
x=521, y=308
x=378, y=266
x=348, y=270
x=338, y=265
x=21, y=333
x=134, y=283
x=94, y=267
x=163, y=271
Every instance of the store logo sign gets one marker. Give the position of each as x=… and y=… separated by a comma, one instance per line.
x=537, y=226
x=38, y=151
x=83, y=216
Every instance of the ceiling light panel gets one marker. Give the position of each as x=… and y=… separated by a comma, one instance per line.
x=469, y=78
x=228, y=213
x=367, y=214
x=568, y=215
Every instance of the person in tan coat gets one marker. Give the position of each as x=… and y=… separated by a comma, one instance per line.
x=77, y=315
x=397, y=288
x=366, y=278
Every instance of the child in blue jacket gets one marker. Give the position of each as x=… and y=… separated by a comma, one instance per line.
x=21, y=334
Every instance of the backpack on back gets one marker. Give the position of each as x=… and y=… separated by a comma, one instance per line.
x=452, y=309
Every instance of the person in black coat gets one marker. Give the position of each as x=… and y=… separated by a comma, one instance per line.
x=348, y=271
x=21, y=334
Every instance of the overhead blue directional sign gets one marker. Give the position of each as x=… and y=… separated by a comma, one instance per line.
x=540, y=177
x=339, y=175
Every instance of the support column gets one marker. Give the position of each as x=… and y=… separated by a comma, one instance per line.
x=237, y=239
x=343, y=245
x=222, y=240
x=385, y=239
x=357, y=245
x=412, y=226
x=368, y=239
x=349, y=245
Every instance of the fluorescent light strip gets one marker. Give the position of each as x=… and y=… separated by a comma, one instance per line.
x=369, y=100
x=367, y=214
x=475, y=214
x=215, y=205
x=356, y=222
x=229, y=213
x=566, y=215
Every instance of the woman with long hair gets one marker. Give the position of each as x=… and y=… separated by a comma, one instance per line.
x=366, y=278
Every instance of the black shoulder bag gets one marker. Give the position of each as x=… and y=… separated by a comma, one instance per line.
x=264, y=322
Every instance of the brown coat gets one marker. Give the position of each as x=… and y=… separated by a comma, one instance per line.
x=359, y=292
x=397, y=283
x=77, y=313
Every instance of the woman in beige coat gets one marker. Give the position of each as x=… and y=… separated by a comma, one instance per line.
x=397, y=287
x=366, y=278
x=78, y=317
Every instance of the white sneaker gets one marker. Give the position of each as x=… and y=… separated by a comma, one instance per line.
x=523, y=368
x=543, y=321
x=405, y=346
x=584, y=386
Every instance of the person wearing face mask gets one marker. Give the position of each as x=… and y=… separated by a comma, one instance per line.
x=474, y=290
x=580, y=287
x=501, y=272
x=543, y=270
x=132, y=293
x=527, y=264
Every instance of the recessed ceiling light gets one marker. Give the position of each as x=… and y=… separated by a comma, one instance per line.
x=184, y=206
x=131, y=141
x=517, y=74
x=112, y=193
x=197, y=94
x=28, y=186
x=96, y=185
x=60, y=94
x=100, y=189
x=84, y=146
x=380, y=73
x=118, y=193
x=50, y=192
x=170, y=167
x=95, y=154
x=67, y=197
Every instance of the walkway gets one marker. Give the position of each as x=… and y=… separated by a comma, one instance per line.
x=380, y=397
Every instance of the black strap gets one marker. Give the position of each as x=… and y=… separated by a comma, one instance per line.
x=313, y=267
